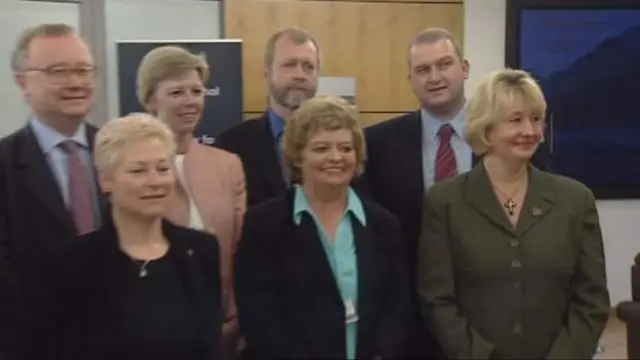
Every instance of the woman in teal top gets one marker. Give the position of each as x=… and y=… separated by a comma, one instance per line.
x=320, y=272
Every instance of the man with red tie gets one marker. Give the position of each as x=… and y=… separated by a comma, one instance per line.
x=408, y=154
x=47, y=180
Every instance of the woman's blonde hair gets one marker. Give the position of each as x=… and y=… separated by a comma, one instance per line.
x=316, y=114
x=114, y=137
x=494, y=98
x=166, y=62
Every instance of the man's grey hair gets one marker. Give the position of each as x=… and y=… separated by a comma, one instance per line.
x=433, y=35
x=298, y=35
x=20, y=52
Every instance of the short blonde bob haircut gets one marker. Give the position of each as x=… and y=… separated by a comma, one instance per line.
x=316, y=114
x=163, y=63
x=492, y=101
x=116, y=135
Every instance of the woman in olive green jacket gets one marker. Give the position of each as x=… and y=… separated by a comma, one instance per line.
x=511, y=262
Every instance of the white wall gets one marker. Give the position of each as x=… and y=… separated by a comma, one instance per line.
x=14, y=16
x=156, y=20
x=484, y=40
x=126, y=20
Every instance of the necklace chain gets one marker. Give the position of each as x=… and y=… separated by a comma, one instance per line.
x=143, y=269
x=510, y=204
x=142, y=264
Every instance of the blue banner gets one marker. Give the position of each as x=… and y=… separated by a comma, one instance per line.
x=223, y=100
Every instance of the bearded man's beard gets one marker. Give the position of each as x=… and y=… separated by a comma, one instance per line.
x=291, y=97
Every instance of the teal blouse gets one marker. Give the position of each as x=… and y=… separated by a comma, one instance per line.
x=341, y=254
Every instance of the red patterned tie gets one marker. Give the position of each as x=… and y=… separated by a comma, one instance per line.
x=446, y=165
x=80, y=195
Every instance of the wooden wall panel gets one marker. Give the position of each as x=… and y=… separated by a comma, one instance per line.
x=368, y=119
x=365, y=40
x=250, y=115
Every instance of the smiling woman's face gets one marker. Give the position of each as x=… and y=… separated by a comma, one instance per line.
x=329, y=158
x=518, y=135
x=142, y=180
x=179, y=102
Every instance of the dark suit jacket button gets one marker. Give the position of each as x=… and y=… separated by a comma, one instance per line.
x=517, y=329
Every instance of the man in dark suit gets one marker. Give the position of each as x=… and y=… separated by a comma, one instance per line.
x=47, y=182
x=292, y=60
x=408, y=154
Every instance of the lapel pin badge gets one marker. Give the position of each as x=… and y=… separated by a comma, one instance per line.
x=536, y=211
x=190, y=252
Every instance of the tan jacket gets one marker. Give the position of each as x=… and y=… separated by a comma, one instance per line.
x=215, y=178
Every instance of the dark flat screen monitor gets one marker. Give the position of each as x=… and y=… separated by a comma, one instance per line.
x=586, y=57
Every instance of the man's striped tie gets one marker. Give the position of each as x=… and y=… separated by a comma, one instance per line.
x=446, y=165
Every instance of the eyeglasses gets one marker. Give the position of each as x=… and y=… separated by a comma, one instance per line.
x=59, y=75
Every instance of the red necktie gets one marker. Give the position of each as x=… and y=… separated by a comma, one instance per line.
x=80, y=194
x=446, y=165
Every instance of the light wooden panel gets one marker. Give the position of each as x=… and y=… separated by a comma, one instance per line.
x=366, y=40
x=251, y=115
x=368, y=119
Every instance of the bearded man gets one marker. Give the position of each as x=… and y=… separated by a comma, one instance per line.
x=291, y=64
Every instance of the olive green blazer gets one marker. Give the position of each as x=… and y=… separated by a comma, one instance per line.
x=489, y=290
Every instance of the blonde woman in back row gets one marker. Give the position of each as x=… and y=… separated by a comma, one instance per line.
x=210, y=193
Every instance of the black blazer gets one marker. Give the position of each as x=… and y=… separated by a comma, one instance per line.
x=253, y=141
x=289, y=305
x=93, y=278
x=34, y=222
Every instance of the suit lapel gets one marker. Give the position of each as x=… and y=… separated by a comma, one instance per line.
x=364, y=241
x=202, y=185
x=38, y=177
x=479, y=194
x=192, y=273
x=265, y=150
x=538, y=202
x=178, y=208
x=306, y=235
x=411, y=137
x=102, y=199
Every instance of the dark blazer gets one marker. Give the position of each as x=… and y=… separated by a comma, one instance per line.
x=489, y=290
x=289, y=305
x=34, y=222
x=93, y=279
x=9, y=319
x=253, y=141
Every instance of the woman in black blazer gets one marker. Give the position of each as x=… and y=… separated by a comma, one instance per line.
x=139, y=287
x=320, y=273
